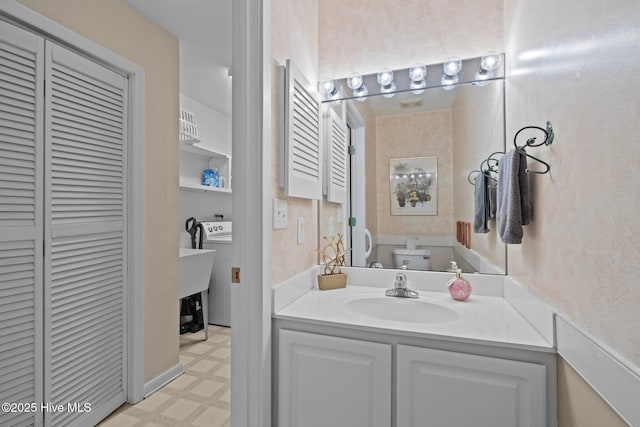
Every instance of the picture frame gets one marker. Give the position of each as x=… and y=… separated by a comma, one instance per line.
x=413, y=185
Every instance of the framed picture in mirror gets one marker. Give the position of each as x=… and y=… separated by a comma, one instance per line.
x=414, y=186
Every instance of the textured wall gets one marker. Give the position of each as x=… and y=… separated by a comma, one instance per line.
x=142, y=42
x=366, y=35
x=294, y=26
x=414, y=135
x=580, y=252
x=478, y=131
x=580, y=71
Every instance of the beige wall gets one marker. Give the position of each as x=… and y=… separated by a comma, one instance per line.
x=580, y=253
x=294, y=26
x=578, y=404
x=120, y=28
x=478, y=131
x=366, y=35
x=414, y=135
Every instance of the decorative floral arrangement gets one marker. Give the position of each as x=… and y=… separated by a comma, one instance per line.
x=333, y=254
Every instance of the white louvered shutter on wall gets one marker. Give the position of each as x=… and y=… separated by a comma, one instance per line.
x=21, y=118
x=85, y=236
x=337, y=146
x=301, y=159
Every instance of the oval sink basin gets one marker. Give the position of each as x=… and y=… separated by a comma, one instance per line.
x=402, y=310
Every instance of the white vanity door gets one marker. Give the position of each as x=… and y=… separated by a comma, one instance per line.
x=327, y=381
x=441, y=388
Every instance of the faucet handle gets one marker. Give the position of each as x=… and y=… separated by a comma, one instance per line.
x=401, y=281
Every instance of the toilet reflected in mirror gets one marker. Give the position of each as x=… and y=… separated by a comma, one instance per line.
x=412, y=259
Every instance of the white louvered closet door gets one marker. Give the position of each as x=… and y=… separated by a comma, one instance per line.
x=85, y=236
x=337, y=145
x=21, y=118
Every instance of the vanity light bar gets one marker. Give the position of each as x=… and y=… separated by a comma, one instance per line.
x=472, y=71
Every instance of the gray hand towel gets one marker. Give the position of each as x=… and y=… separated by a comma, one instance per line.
x=514, y=209
x=481, y=199
x=493, y=202
x=523, y=180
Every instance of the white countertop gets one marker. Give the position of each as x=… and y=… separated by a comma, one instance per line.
x=485, y=320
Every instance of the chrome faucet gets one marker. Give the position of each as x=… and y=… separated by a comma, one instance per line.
x=400, y=287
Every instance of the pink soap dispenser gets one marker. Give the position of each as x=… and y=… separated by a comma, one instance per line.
x=459, y=287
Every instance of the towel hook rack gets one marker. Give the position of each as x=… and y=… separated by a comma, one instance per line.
x=469, y=176
x=490, y=167
x=531, y=142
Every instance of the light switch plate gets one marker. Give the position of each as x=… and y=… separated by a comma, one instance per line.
x=300, y=231
x=280, y=220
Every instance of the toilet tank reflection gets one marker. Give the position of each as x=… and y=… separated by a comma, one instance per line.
x=439, y=258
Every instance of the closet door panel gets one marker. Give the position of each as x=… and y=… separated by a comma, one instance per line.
x=21, y=163
x=85, y=264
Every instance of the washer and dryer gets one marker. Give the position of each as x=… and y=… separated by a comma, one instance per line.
x=217, y=235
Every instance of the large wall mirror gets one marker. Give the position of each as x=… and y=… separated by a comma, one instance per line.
x=398, y=142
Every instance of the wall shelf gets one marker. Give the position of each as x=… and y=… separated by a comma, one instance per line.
x=198, y=187
x=203, y=151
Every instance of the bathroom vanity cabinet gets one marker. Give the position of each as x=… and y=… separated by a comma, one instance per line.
x=457, y=389
x=331, y=381
x=337, y=376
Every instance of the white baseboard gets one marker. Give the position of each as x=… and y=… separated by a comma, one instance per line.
x=162, y=380
x=614, y=378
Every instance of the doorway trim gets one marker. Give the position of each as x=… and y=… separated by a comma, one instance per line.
x=357, y=189
x=252, y=178
x=21, y=15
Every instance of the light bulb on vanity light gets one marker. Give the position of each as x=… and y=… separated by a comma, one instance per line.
x=354, y=81
x=356, y=84
x=448, y=82
x=490, y=61
x=387, y=85
x=417, y=75
x=482, y=77
x=452, y=66
x=328, y=88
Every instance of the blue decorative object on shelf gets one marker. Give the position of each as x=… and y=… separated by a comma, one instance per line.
x=210, y=178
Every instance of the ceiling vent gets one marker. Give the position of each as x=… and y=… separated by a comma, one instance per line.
x=411, y=103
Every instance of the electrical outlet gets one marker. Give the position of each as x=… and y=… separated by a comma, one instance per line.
x=280, y=214
x=300, y=231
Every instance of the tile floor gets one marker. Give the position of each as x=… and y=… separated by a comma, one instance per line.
x=198, y=398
